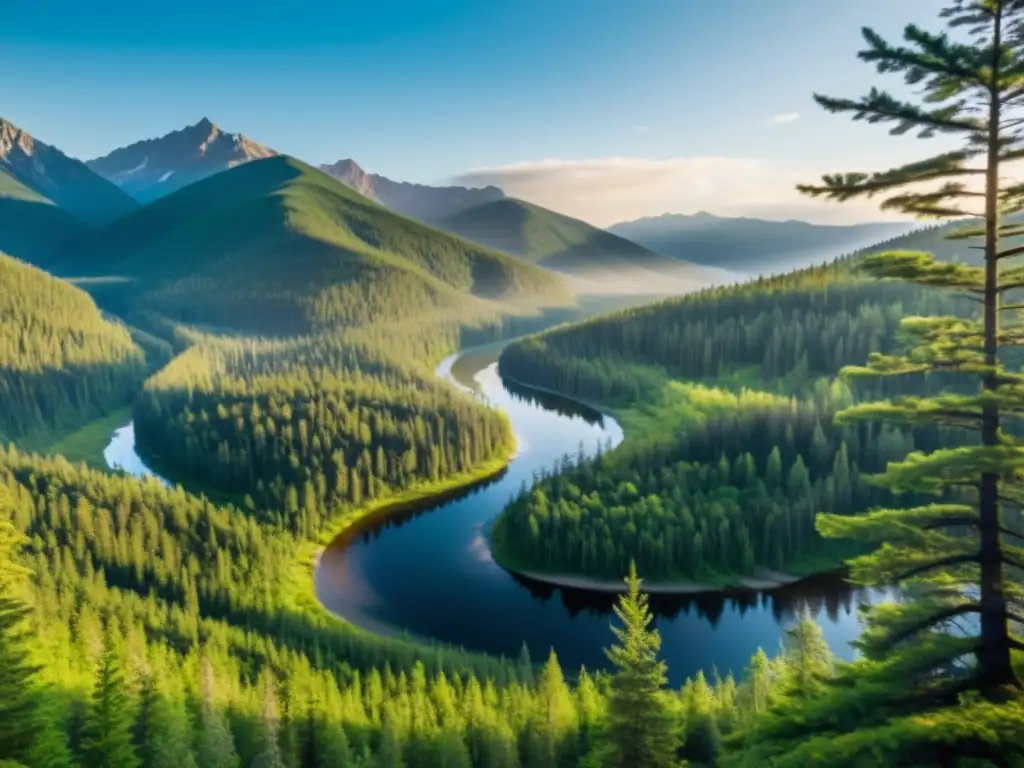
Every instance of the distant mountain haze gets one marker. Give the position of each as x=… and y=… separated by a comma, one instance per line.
x=752, y=245
x=596, y=260
x=153, y=168
x=47, y=199
x=418, y=201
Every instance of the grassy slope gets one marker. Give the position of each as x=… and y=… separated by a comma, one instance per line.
x=32, y=228
x=313, y=251
x=87, y=443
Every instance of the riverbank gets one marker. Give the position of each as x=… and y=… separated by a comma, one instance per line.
x=763, y=580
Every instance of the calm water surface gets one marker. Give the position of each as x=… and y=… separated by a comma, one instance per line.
x=429, y=572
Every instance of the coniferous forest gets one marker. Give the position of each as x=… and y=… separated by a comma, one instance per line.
x=744, y=383
x=273, y=335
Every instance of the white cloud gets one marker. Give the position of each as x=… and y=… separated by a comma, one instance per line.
x=788, y=117
x=604, y=191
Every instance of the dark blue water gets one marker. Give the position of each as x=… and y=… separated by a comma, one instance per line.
x=430, y=573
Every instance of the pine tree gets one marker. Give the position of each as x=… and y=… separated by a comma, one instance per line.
x=164, y=732
x=216, y=747
x=50, y=743
x=17, y=697
x=107, y=738
x=641, y=729
x=389, y=753
x=910, y=700
x=972, y=90
x=271, y=756
x=807, y=657
x=555, y=721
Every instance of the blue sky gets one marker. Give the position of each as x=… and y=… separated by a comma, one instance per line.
x=435, y=90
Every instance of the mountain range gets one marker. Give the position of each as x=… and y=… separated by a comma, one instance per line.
x=275, y=246
x=590, y=256
x=51, y=205
x=417, y=201
x=155, y=168
x=748, y=245
x=152, y=168
x=49, y=200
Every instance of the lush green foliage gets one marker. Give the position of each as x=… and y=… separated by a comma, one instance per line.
x=724, y=479
x=276, y=247
x=961, y=700
x=306, y=428
x=167, y=632
x=640, y=730
x=61, y=362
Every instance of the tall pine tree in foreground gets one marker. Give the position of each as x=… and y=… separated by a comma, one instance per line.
x=932, y=689
x=641, y=731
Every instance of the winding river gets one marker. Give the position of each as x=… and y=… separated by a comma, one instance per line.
x=427, y=572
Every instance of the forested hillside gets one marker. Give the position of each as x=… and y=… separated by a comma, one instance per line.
x=307, y=320
x=182, y=642
x=61, y=362
x=731, y=396
x=306, y=427
x=276, y=247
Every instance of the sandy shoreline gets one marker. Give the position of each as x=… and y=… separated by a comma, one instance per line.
x=764, y=580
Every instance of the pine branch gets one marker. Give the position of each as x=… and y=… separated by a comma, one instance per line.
x=1009, y=253
x=966, y=521
x=881, y=107
x=944, y=562
x=932, y=620
x=923, y=268
x=842, y=187
x=938, y=57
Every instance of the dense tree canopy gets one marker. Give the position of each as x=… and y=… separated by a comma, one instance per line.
x=727, y=474
x=61, y=361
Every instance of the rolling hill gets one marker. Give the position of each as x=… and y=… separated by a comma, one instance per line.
x=591, y=257
x=751, y=246
x=275, y=246
x=153, y=168
x=417, y=201
x=61, y=362
x=47, y=199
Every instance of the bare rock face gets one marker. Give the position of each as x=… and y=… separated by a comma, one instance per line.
x=417, y=201
x=351, y=175
x=152, y=168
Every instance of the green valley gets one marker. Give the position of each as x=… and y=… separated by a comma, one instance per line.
x=302, y=467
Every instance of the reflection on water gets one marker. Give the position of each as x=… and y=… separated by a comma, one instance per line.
x=552, y=402
x=828, y=594
x=427, y=570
